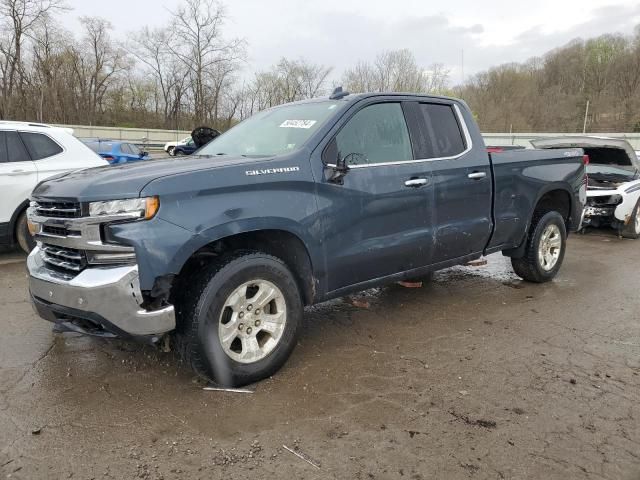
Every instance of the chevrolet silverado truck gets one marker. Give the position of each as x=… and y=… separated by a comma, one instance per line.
x=296, y=205
x=613, y=191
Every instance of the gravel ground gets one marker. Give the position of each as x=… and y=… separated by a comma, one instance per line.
x=477, y=375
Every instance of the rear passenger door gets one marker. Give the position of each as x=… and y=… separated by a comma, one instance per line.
x=461, y=212
x=376, y=223
x=47, y=154
x=18, y=175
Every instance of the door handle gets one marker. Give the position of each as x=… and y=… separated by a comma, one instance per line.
x=477, y=175
x=416, y=182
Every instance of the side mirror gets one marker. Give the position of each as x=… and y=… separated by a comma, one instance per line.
x=335, y=172
x=143, y=154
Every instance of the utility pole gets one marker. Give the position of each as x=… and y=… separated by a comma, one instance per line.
x=586, y=114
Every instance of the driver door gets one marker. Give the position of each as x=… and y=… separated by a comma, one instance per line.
x=377, y=222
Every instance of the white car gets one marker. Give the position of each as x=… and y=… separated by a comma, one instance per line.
x=613, y=192
x=30, y=153
x=169, y=146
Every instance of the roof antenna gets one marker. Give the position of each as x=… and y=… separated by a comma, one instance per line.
x=338, y=94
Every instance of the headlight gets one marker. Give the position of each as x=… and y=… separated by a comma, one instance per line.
x=134, y=207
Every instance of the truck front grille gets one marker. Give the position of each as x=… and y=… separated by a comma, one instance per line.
x=62, y=258
x=58, y=209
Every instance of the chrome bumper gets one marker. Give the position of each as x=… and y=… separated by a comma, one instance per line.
x=108, y=297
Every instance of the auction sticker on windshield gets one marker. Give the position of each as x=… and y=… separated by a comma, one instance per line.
x=298, y=124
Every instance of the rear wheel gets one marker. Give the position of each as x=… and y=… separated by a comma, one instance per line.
x=632, y=229
x=240, y=320
x=544, y=253
x=24, y=238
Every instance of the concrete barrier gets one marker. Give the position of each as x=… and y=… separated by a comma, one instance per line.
x=155, y=138
x=524, y=139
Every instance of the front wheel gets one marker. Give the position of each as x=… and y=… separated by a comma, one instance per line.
x=240, y=320
x=632, y=228
x=23, y=236
x=170, y=150
x=545, y=248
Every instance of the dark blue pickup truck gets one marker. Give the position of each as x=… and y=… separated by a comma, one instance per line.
x=296, y=205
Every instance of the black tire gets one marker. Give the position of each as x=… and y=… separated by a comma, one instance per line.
x=632, y=229
x=179, y=153
x=529, y=267
x=170, y=151
x=201, y=306
x=23, y=237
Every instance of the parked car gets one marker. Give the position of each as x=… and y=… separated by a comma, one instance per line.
x=296, y=205
x=30, y=153
x=613, y=195
x=169, y=146
x=185, y=148
x=115, y=151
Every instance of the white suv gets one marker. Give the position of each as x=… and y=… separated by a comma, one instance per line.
x=30, y=153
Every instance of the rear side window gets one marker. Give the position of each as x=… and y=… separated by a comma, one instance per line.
x=3, y=148
x=376, y=134
x=134, y=149
x=444, y=130
x=40, y=146
x=16, y=152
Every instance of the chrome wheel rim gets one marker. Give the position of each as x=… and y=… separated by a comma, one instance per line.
x=252, y=321
x=550, y=247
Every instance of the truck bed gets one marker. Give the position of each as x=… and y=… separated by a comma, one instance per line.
x=517, y=179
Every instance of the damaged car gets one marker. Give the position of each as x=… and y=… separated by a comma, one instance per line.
x=613, y=193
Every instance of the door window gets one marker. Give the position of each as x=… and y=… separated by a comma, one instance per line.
x=444, y=130
x=376, y=134
x=124, y=148
x=40, y=146
x=3, y=148
x=16, y=152
x=134, y=149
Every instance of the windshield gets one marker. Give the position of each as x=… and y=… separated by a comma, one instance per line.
x=272, y=132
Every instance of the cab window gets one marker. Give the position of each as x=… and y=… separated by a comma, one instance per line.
x=376, y=134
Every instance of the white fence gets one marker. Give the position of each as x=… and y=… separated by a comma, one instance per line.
x=156, y=138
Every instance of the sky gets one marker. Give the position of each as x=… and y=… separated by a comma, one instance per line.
x=467, y=36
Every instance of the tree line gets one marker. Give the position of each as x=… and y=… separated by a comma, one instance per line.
x=193, y=74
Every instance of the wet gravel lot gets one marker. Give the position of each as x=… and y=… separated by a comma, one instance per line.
x=477, y=375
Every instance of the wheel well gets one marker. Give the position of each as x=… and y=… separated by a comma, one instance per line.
x=13, y=223
x=555, y=201
x=279, y=243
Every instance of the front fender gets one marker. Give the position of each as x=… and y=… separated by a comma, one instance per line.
x=162, y=248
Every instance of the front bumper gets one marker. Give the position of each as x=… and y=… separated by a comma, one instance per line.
x=98, y=301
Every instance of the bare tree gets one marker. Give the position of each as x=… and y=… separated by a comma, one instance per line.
x=396, y=71
x=199, y=44
x=151, y=48
x=19, y=17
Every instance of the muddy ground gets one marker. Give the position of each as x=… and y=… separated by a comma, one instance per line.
x=477, y=375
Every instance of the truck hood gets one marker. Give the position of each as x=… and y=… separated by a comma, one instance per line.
x=630, y=159
x=126, y=180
